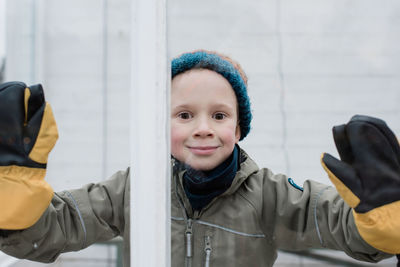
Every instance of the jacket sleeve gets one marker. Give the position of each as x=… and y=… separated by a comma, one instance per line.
x=74, y=220
x=311, y=217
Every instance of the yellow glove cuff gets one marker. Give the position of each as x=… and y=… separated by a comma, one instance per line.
x=380, y=227
x=24, y=196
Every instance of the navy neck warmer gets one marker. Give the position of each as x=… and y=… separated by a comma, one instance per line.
x=203, y=186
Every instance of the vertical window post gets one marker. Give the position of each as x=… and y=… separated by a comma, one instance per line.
x=150, y=136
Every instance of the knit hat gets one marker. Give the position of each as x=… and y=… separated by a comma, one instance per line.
x=202, y=59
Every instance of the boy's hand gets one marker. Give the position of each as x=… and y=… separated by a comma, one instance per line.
x=28, y=132
x=368, y=178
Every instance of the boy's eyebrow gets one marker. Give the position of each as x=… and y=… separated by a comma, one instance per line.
x=217, y=105
x=224, y=105
x=181, y=106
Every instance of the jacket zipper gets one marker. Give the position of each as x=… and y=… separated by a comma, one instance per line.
x=189, y=227
x=207, y=250
x=188, y=234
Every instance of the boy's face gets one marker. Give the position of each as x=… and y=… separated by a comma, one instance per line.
x=204, y=119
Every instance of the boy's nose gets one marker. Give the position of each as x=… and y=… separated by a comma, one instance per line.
x=203, y=128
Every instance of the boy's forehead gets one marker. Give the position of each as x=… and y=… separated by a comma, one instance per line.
x=204, y=77
x=201, y=88
x=193, y=93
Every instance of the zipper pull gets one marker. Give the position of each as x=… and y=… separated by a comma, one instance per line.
x=188, y=234
x=208, y=250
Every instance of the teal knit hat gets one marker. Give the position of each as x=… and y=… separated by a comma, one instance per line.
x=210, y=60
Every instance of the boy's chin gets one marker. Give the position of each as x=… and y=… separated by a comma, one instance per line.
x=201, y=163
x=202, y=166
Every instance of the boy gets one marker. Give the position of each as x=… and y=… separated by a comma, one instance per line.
x=225, y=210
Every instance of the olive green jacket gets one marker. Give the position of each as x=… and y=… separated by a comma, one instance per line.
x=259, y=213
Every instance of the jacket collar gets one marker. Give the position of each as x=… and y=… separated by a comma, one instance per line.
x=247, y=168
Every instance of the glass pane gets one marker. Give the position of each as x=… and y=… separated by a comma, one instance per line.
x=310, y=65
x=2, y=39
x=79, y=52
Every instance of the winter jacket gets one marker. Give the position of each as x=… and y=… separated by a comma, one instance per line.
x=258, y=214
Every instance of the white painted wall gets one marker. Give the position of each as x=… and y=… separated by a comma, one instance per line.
x=2, y=28
x=85, y=73
x=338, y=58
x=315, y=63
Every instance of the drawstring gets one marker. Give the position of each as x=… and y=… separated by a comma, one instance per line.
x=188, y=234
x=207, y=249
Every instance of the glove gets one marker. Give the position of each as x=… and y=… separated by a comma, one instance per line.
x=28, y=132
x=368, y=179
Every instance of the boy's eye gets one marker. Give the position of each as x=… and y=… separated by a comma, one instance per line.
x=219, y=116
x=185, y=115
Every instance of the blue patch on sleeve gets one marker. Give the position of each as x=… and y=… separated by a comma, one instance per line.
x=290, y=180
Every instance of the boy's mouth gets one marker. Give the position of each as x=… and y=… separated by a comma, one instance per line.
x=203, y=150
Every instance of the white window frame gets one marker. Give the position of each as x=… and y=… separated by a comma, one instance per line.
x=150, y=136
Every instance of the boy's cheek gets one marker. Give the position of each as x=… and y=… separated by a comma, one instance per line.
x=177, y=139
x=177, y=134
x=231, y=135
x=175, y=131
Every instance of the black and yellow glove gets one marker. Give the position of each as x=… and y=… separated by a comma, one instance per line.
x=368, y=179
x=28, y=132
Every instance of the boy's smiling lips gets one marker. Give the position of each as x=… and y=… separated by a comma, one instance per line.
x=203, y=150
